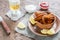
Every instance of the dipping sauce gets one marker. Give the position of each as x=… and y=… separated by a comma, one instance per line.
x=44, y=6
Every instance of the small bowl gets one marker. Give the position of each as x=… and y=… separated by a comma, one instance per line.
x=30, y=8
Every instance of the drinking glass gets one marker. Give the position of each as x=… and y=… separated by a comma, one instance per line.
x=14, y=6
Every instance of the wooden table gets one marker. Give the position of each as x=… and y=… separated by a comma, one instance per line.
x=13, y=36
x=4, y=7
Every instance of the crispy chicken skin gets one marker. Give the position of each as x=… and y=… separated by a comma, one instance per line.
x=47, y=19
x=38, y=15
x=44, y=19
x=43, y=26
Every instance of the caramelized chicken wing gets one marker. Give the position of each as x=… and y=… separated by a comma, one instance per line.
x=47, y=19
x=38, y=15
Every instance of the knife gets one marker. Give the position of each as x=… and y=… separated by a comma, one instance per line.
x=5, y=26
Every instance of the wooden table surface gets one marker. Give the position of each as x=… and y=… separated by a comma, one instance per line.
x=4, y=7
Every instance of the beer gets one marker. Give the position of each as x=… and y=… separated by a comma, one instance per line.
x=14, y=7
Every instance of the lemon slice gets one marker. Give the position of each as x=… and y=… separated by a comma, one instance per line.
x=21, y=25
x=51, y=32
x=44, y=31
x=32, y=20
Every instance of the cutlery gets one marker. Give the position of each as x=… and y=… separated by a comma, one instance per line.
x=5, y=26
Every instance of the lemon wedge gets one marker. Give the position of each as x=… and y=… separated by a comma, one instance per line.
x=51, y=32
x=44, y=31
x=21, y=25
x=32, y=20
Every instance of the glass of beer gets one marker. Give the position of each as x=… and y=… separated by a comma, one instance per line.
x=14, y=6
